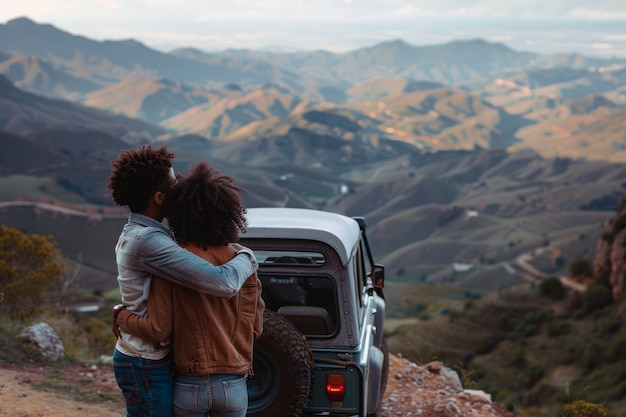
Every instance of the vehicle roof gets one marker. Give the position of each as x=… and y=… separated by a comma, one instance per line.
x=342, y=233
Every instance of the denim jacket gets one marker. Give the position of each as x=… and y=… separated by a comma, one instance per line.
x=146, y=247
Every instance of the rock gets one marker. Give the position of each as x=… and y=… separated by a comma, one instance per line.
x=432, y=390
x=43, y=337
x=609, y=264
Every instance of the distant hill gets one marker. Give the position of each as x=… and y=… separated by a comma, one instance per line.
x=23, y=155
x=512, y=91
x=227, y=114
x=153, y=100
x=36, y=75
x=22, y=112
x=78, y=160
x=591, y=129
x=452, y=63
x=383, y=88
x=112, y=61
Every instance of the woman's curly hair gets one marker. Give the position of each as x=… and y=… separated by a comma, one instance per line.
x=138, y=174
x=205, y=208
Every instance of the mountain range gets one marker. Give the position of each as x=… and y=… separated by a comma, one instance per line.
x=463, y=155
x=458, y=95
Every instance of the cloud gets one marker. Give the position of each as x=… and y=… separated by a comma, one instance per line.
x=315, y=10
x=336, y=25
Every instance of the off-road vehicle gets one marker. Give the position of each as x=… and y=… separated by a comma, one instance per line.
x=322, y=350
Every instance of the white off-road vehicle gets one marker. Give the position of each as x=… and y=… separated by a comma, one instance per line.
x=322, y=351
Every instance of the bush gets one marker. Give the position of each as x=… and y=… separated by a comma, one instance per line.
x=559, y=328
x=532, y=375
x=593, y=355
x=486, y=345
x=552, y=288
x=582, y=408
x=504, y=321
x=31, y=269
x=596, y=296
x=618, y=391
x=518, y=359
x=616, y=349
x=581, y=266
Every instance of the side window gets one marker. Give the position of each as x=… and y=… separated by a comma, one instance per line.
x=359, y=278
x=367, y=262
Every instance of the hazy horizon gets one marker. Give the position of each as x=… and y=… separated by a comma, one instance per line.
x=592, y=28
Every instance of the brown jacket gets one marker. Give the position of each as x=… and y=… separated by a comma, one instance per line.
x=211, y=335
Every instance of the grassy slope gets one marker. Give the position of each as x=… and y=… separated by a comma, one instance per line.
x=503, y=339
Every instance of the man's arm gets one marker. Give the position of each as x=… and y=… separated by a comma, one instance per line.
x=164, y=258
x=157, y=324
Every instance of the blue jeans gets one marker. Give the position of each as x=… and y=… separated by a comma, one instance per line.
x=219, y=395
x=147, y=385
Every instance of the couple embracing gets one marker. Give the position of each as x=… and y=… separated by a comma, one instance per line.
x=191, y=300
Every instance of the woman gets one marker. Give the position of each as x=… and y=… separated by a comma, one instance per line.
x=141, y=179
x=212, y=337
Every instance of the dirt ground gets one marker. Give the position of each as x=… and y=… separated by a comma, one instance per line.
x=72, y=391
x=79, y=390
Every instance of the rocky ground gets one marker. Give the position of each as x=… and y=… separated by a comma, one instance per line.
x=431, y=390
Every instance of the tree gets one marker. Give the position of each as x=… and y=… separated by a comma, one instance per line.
x=581, y=267
x=553, y=288
x=30, y=267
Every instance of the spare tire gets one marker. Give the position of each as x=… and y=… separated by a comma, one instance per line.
x=384, y=375
x=283, y=366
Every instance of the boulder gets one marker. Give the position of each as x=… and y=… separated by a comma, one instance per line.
x=43, y=338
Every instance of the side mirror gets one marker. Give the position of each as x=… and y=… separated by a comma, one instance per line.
x=378, y=279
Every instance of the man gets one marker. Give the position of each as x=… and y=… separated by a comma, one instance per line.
x=141, y=179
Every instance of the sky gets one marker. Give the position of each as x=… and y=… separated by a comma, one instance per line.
x=590, y=27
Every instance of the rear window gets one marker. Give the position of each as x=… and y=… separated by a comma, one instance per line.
x=309, y=302
x=289, y=258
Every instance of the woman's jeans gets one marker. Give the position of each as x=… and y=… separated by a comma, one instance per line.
x=218, y=395
x=147, y=385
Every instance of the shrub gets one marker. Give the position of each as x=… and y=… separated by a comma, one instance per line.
x=552, y=288
x=504, y=321
x=559, y=328
x=618, y=391
x=31, y=268
x=532, y=375
x=581, y=266
x=419, y=307
x=582, y=408
x=518, y=359
x=616, y=349
x=527, y=330
x=596, y=296
x=593, y=355
x=486, y=345
x=538, y=316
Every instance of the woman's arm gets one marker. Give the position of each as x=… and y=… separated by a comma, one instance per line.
x=156, y=325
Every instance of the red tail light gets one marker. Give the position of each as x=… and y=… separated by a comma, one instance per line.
x=335, y=387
